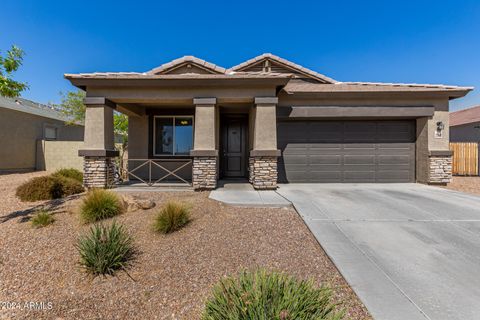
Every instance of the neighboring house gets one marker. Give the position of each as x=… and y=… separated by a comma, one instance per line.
x=268, y=120
x=22, y=124
x=465, y=125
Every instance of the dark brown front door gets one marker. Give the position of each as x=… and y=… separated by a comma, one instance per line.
x=234, y=146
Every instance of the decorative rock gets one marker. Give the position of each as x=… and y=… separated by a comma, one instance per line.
x=146, y=204
x=132, y=203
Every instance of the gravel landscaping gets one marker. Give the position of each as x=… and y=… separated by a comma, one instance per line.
x=465, y=184
x=172, y=275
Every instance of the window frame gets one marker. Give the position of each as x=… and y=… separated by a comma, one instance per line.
x=50, y=126
x=173, y=117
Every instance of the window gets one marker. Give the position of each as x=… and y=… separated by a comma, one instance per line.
x=172, y=135
x=50, y=133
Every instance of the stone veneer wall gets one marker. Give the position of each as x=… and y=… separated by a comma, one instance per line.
x=440, y=169
x=204, y=173
x=263, y=172
x=98, y=172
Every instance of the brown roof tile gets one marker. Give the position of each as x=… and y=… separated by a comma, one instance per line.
x=177, y=62
x=285, y=62
x=296, y=86
x=465, y=116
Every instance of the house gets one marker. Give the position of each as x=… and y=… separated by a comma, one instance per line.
x=23, y=124
x=268, y=120
x=465, y=125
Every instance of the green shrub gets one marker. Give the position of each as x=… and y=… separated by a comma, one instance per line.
x=173, y=216
x=70, y=173
x=269, y=295
x=42, y=218
x=100, y=204
x=47, y=188
x=106, y=249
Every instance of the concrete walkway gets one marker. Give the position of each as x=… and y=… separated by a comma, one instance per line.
x=242, y=194
x=409, y=251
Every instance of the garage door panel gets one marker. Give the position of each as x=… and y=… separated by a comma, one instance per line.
x=351, y=159
x=327, y=176
x=347, y=151
x=359, y=176
x=324, y=159
x=393, y=159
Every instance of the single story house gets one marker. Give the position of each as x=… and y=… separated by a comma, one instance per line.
x=267, y=120
x=465, y=125
x=22, y=124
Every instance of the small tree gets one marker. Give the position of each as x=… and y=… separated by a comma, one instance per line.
x=8, y=65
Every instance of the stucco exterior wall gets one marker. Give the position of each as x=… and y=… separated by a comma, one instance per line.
x=19, y=134
x=421, y=150
x=138, y=137
x=465, y=133
x=53, y=155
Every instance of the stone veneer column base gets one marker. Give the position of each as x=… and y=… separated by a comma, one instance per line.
x=204, y=172
x=440, y=169
x=98, y=172
x=263, y=172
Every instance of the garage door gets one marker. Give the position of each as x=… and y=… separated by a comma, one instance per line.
x=346, y=151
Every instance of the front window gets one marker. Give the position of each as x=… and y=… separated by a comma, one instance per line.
x=173, y=135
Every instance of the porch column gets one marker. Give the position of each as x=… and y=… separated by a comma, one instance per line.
x=263, y=158
x=205, y=153
x=98, y=149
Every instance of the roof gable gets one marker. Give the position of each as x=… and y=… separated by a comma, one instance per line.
x=187, y=65
x=268, y=62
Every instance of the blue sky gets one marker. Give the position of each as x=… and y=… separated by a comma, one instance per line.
x=387, y=41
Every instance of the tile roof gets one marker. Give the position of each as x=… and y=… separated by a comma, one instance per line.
x=185, y=59
x=296, y=86
x=136, y=75
x=285, y=62
x=465, y=116
x=27, y=106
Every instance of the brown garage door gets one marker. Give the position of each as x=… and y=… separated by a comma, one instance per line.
x=346, y=151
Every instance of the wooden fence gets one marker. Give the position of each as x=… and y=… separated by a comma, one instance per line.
x=465, y=158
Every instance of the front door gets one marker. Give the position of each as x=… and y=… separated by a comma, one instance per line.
x=234, y=146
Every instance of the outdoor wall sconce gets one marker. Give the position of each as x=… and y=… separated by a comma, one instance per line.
x=440, y=128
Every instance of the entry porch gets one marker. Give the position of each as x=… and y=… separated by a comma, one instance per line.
x=194, y=143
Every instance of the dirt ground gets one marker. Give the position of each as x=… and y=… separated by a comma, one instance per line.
x=465, y=184
x=172, y=275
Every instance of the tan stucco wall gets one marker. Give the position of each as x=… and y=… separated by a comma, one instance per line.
x=251, y=127
x=53, y=155
x=138, y=137
x=265, y=131
x=438, y=143
x=205, y=129
x=99, y=128
x=19, y=134
x=421, y=151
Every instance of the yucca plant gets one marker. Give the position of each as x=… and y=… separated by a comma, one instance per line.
x=42, y=218
x=100, y=204
x=173, y=216
x=264, y=295
x=106, y=249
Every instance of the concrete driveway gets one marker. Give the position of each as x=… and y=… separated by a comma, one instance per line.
x=409, y=251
